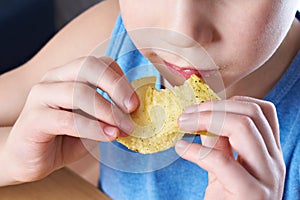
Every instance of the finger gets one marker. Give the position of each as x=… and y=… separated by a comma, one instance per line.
x=243, y=136
x=70, y=95
x=73, y=149
x=232, y=176
x=249, y=109
x=60, y=122
x=220, y=143
x=98, y=73
x=114, y=65
x=269, y=111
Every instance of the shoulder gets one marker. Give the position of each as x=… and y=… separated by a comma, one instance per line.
x=80, y=36
x=76, y=39
x=97, y=22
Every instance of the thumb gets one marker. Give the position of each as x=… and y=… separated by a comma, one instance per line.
x=220, y=143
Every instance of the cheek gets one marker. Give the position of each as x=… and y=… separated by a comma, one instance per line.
x=249, y=47
x=249, y=42
x=141, y=13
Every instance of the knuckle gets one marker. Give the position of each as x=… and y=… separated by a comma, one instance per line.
x=35, y=91
x=80, y=93
x=48, y=76
x=221, y=159
x=279, y=171
x=65, y=121
x=113, y=113
x=203, y=120
x=119, y=86
x=236, y=98
x=255, y=109
x=282, y=169
x=106, y=59
x=279, y=159
x=271, y=108
x=90, y=60
x=79, y=88
x=116, y=81
x=270, y=105
x=245, y=122
x=36, y=88
x=91, y=67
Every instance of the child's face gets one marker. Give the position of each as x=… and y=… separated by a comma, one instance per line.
x=239, y=35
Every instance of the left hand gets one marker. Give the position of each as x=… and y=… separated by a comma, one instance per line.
x=248, y=126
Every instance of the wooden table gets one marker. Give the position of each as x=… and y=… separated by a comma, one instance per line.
x=61, y=185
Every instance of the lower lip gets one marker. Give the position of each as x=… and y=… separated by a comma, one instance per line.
x=185, y=72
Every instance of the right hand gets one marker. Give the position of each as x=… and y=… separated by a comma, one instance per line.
x=61, y=112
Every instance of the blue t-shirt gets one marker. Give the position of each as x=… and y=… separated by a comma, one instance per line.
x=129, y=175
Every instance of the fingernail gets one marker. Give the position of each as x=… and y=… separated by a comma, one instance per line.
x=111, y=131
x=187, y=122
x=199, y=107
x=131, y=103
x=183, y=118
x=126, y=125
x=191, y=109
x=181, y=146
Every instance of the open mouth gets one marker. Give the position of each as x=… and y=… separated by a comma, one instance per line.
x=177, y=73
x=185, y=72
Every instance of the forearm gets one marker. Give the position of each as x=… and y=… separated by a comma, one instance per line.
x=5, y=178
x=12, y=95
x=4, y=132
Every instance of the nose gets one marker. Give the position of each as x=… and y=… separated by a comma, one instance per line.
x=189, y=22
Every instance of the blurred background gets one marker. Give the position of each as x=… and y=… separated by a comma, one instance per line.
x=26, y=25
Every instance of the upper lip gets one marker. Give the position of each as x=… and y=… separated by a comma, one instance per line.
x=186, y=72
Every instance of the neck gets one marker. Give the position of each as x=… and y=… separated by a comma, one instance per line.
x=264, y=78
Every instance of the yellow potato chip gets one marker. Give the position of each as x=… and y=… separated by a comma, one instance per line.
x=155, y=120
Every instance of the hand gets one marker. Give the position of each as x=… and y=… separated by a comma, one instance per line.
x=63, y=111
x=248, y=126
